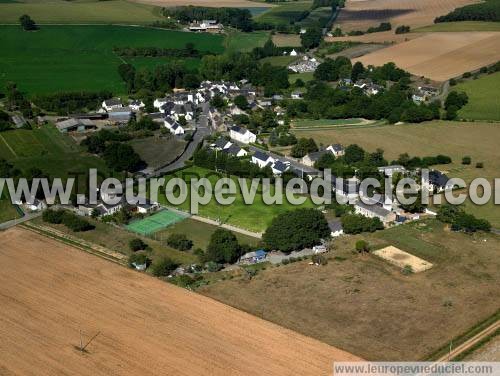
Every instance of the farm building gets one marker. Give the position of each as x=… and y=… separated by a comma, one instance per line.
x=75, y=125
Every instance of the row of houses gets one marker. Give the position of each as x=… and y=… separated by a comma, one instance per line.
x=310, y=159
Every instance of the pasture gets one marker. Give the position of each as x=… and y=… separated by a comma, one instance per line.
x=366, y=305
x=158, y=152
x=245, y=42
x=254, y=217
x=285, y=13
x=7, y=210
x=440, y=56
x=77, y=12
x=286, y=40
x=70, y=58
x=484, y=102
x=362, y=14
x=455, y=139
x=47, y=149
x=143, y=324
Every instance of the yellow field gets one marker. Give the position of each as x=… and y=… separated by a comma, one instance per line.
x=143, y=326
x=440, y=56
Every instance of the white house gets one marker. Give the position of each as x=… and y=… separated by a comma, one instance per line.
x=158, y=102
x=279, y=167
x=242, y=135
x=437, y=182
x=147, y=207
x=112, y=104
x=235, y=151
x=336, y=149
x=173, y=126
x=336, y=229
x=136, y=105
x=36, y=205
x=296, y=95
x=262, y=159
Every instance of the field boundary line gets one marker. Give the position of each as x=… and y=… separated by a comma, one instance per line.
x=8, y=146
x=77, y=243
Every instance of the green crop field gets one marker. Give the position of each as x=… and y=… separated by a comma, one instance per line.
x=284, y=13
x=78, y=12
x=47, y=149
x=254, y=217
x=484, y=103
x=317, y=16
x=69, y=58
x=7, y=210
x=460, y=26
x=244, y=42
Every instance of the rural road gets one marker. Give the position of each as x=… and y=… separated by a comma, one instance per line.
x=471, y=342
x=14, y=222
x=202, y=131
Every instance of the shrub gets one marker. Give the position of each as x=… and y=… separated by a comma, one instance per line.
x=362, y=246
x=163, y=267
x=356, y=224
x=180, y=242
x=75, y=223
x=138, y=259
x=223, y=247
x=53, y=216
x=319, y=259
x=467, y=75
x=137, y=245
x=466, y=160
x=213, y=267
x=479, y=165
x=407, y=270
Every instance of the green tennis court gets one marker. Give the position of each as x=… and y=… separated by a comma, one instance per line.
x=156, y=222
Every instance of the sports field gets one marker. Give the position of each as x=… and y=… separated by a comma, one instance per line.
x=484, y=101
x=142, y=326
x=440, y=56
x=366, y=305
x=77, y=12
x=155, y=222
x=71, y=58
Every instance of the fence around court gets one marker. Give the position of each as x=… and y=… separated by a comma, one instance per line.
x=156, y=222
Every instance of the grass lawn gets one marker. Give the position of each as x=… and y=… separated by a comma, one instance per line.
x=281, y=61
x=460, y=26
x=307, y=76
x=364, y=305
x=47, y=149
x=455, y=139
x=255, y=217
x=285, y=13
x=245, y=42
x=74, y=12
x=59, y=58
x=7, y=210
x=157, y=152
x=484, y=102
x=199, y=233
x=117, y=239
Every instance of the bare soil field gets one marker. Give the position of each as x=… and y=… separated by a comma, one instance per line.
x=366, y=305
x=384, y=37
x=49, y=292
x=441, y=56
x=362, y=14
x=205, y=3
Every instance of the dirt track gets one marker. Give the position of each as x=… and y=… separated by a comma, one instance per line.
x=49, y=291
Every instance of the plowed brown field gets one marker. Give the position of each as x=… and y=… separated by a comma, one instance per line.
x=362, y=14
x=50, y=291
x=441, y=56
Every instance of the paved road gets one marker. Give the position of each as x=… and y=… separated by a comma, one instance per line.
x=27, y=217
x=202, y=131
